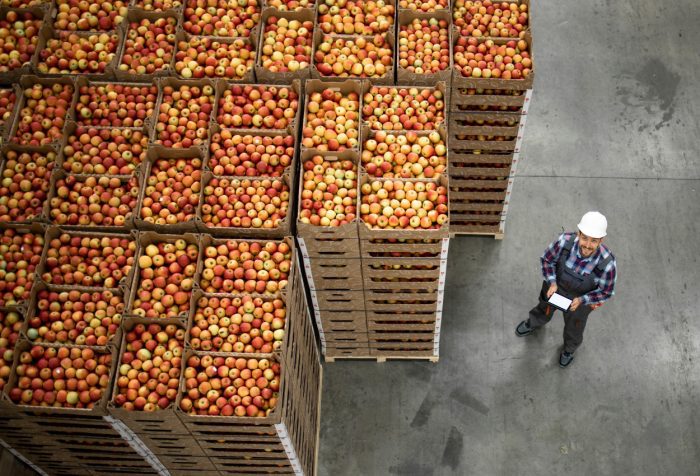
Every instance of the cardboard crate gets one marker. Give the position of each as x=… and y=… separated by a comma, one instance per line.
x=5, y=125
x=333, y=274
x=361, y=9
x=138, y=5
x=54, y=232
x=184, y=39
x=457, y=4
x=342, y=321
x=404, y=339
x=360, y=87
x=403, y=301
x=159, y=423
x=41, y=12
x=442, y=86
x=379, y=329
x=28, y=81
x=264, y=75
x=172, y=445
x=378, y=271
x=136, y=15
x=347, y=352
x=487, y=184
x=474, y=123
x=479, y=171
x=280, y=231
x=329, y=248
x=186, y=462
x=386, y=79
x=132, y=182
x=404, y=76
x=390, y=248
x=339, y=300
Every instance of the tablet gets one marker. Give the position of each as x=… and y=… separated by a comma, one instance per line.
x=560, y=302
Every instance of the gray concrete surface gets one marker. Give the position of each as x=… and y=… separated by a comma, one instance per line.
x=613, y=126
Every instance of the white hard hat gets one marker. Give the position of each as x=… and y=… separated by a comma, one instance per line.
x=593, y=224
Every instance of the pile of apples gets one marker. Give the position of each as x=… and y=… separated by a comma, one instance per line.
x=238, y=324
x=184, y=116
x=80, y=260
x=204, y=57
x=221, y=18
x=94, y=200
x=149, y=369
x=68, y=377
x=424, y=46
x=18, y=39
x=290, y=5
x=424, y=5
x=329, y=192
x=172, y=191
x=357, y=57
x=104, y=15
x=166, y=279
x=246, y=266
x=250, y=155
x=477, y=58
x=245, y=202
x=257, y=107
x=71, y=53
x=24, y=186
x=20, y=254
x=75, y=317
x=43, y=114
x=10, y=325
x=114, y=151
x=404, y=155
x=157, y=5
x=115, y=105
x=490, y=18
x=228, y=386
x=355, y=17
x=396, y=108
x=388, y=204
x=332, y=121
x=149, y=46
x=7, y=105
x=286, y=45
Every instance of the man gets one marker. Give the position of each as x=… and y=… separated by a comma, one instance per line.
x=580, y=267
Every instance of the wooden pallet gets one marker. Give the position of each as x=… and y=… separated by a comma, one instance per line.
x=381, y=358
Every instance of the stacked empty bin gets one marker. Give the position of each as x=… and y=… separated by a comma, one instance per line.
x=487, y=120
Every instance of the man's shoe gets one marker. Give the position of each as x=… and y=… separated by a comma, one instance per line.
x=565, y=359
x=523, y=329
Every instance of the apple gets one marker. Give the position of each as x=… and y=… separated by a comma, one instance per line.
x=257, y=107
x=245, y=202
x=230, y=386
x=172, y=191
x=19, y=35
x=43, y=114
x=221, y=18
x=8, y=99
x=396, y=204
x=149, y=46
x=490, y=18
x=10, y=326
x=404, y=155
x=94, y=200
x=63, y=376
x=286, y=45
x=88, y=260
x=115, y=105
x=20, y=254
x=71, y=53
x=24, y=185
x=402, y=108
x=149, y=369
x=329, y=192
x=424, y=46
x=332, y=121
x=238, y=266
x=75, y=317
x=355, y=17
x=358, y=57
x=103, y=15
x=184, y=116
x=246, y=324
x=479, y=58
x=166, y=278
x=250, y=155
x=204, y=57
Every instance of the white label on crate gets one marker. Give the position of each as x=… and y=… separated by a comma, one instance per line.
x=289, y=449
x=526, y=102
x=445, y=248
x=302, y=245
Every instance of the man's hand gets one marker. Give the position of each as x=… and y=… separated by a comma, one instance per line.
x=575, y=304
x=552, y=289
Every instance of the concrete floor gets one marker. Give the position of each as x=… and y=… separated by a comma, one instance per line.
x=613, y=126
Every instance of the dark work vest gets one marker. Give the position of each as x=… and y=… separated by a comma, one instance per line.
x=572, y=284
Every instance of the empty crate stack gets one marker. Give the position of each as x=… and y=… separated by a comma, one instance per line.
x=491, y=91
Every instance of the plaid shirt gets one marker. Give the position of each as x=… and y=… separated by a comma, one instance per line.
x=606, y=282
